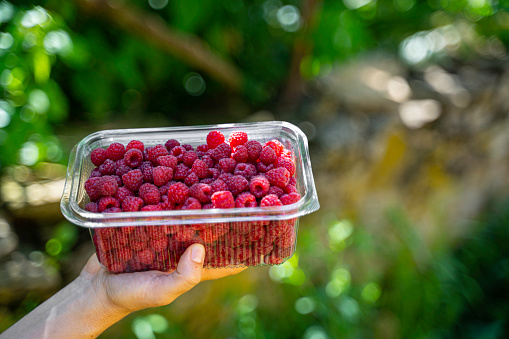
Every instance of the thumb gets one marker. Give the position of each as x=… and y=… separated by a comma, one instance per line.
x=189, y=269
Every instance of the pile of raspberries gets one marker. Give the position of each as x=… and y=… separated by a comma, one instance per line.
x=237, y=173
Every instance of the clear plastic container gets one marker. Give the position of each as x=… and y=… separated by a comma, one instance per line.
x=146, y=240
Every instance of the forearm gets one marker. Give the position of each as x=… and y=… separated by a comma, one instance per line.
x=76, y=311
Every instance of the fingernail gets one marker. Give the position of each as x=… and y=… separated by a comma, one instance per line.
x=197, y=254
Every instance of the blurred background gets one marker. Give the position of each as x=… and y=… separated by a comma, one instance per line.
x=405, y=105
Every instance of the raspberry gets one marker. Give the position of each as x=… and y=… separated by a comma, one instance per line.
x=184, y=233
x=261, y=247
x=133, y=180
x=207, y=206
x=286, y=154
x=278, y=177
x=272, y=259
x=95, y=173
x=218, y=185
x=241, y=254
x=214, y=139
x=107, y=186
x=155, y=152
x=233, y=239
x=145, y=256
x=171, y=143
x=178, y=152
x=122, y=193
x=123, y=254
x=115, y=151
x=220, y=152
x=286, y=239
x=209, y=235
x=150, y=194
x=132, y=204
x=290, y=189
x=159, y=244
x=207, y=181
x=98, y=156
x=237, y=184
x=112, y=210
x=148, y=171
x=189, y=158
x=253, y=150
x=270, y=200
x=262, y=168
x=92, y=188
x=267, y=155
x=202, y=192
x=178, y=193
x=201, y=168
x=191, y=204
x=259, y=186
x=208, y=160
x=276, y=145
x=202, y=149
x=276, y=190
x=245, y=199
x=291, y=198
x=224, y=177
x=122, y=167
x=240, y=154
x=214, y=173
x=180, y=172
x=168, y=161
x=139, y=239
x=286, y=163
x=256, y=233
x=135, y=144
x=188, y=148
x=164, y=189
x=108, y=167
x=237, y=138
x=107, y=202
x=191, y=179
x=292, y=181
x=161, y=175
x=246, y=170
x=223, y=199
x=92, y=207
x=166, y=204
x=133, y=158
x=227, y=165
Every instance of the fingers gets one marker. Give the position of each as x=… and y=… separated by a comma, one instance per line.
x=189, y=270
x=216, y=273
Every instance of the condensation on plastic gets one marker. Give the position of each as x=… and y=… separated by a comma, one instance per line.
x=136, y=241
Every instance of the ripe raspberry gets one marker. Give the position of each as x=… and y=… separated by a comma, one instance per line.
x=256, y=233
x=262, y=168
x=207, y=159
x=201, y=168
x=214, y=173
x=159, y=244
x=207, y=206
x=188, y=148
x=246, y=170
x=178, y=152
x=92, y=188
x=292, y=181
x=286, y=239
x=165, y=204
x=95, y=173
x=209, y=235
x=245, y=199
x=207, y=181
x=123, y=254
x=107, y=202
x=227, y=165
x=291, y=198
x=259, y=186
x=223, y=199
x=272, y=259
x=270, y=200
x=201, y=150
x=191, y=204
x=218, y=185
x=122, y=193
x=276, y=145
x=171, y=143
x=135, y=144
x=241, y=254
x=112, y=210
x=161, y=175
x=214, y=139
x=132, y=204
x=155, y=152
x=276, y=190
x=237, y=138
x=191, y=179
x=139, y=239
x=237, y=184
x=107, y=186
x=224, y=177
x=178, y=193
x=145, y=256
x=133, y=180
x=222, y=151
x=98, y=156
x=148, y=173
x=240, y=154
x=92, y=207
x=267, y=155
x=286, y=154
x=261, y=247
x=233, y=239
x=286, y=163
x=278, y=177
x=290, y=189
x=184, y=233
x=253, y=150
x=133, y=158
x=168, y=161
x=189, y=158
x=115, y=151
x=164, y=189
x=108, y=167
x=122, y=168
x=150, y=194
x=200, y=191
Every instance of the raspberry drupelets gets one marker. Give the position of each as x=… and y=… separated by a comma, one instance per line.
x=232, y=173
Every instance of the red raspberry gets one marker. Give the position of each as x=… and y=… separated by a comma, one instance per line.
x=253, y=150
x=220, y=152
x=287, y=154
x=259, y=186
x=270, y=200
x=135, y=144
x=155, y=152
x=245, y=199
x=107, y=186
x=164, y=188
x=207, y=159
x=92, y=188
x=286, y=239
x=184, y=233
x=202, y=149
x=166, y=204
x=180, y=172
x=191, y=204
x=276, y=145
x=291, y=198
x=201, y=168
x=272, y=259
x=188, y=148
x=246, y=170
x=237, y=138
x=122, y=168
x=242, y=227
x=189, y=158
x=278, y=176
x=224, y=177
x=95, y=173
x=178, y=152
x=240, y=154
x=214, y=139
x=218, y=185
x=98, y=156
x=237, y=184
x=209, y=235
x=214, y=173
x=233, y=239
x=261, y=247
x=286, y=163
x=191, y=179
x=122, y=193
x=200, y=191
x=112, y=210
x=107, y=202
x=151, y=208
x=168, y=161
x=292, y=181
x=132, y=204
x=133, y=158
x=241, y=254
x=147, y=171
x=150, y=194
x=145, y=256
x=92, y=207
x=108, y=167
x=161, y=175
x=276, y=190
x=223, y=199
x=207, y=206
x=133, y=180
x=256, y=233
x=207, y=181
x=139, y=239
x=227, y=165
x=262, y=168
x=290, y=189
x=115, y=151
x=171, y=143
x=159, y=244
x=178, y=193
x=123, y=254
x=267, y=155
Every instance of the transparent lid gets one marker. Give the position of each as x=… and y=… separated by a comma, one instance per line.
x=75, y=198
